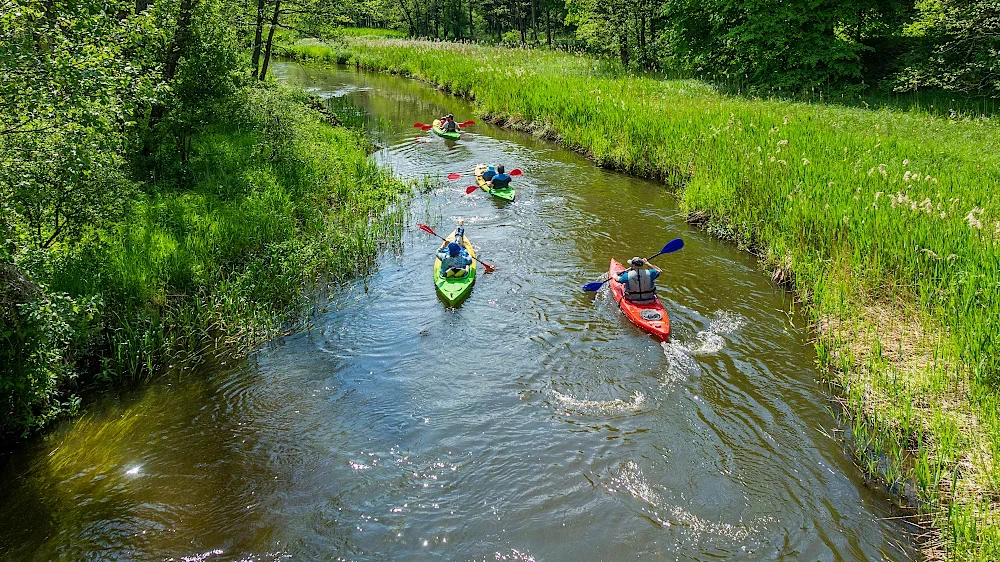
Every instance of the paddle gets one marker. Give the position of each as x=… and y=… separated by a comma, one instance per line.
x=422, y=126
x=429, y=230
x=470, y=189
x=515, y=172
x=672, y=246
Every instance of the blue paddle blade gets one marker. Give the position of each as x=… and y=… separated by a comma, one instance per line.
x=595, y=286
x=672, y=246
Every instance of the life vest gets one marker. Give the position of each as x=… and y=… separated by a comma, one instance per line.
x=639, y=286
x=450, y=126
x=501, y=181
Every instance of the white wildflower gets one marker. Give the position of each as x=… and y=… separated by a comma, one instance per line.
x=972, y=220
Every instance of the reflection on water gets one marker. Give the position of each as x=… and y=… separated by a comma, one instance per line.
x=531, y=423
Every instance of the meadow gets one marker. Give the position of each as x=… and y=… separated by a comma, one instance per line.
x=886, y=223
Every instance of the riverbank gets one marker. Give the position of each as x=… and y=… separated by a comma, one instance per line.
x=217, y=252
x=884, y=223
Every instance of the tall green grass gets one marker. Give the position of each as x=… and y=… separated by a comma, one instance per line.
x=886, y=221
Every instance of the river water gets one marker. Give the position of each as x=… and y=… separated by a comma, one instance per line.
x=533, y=422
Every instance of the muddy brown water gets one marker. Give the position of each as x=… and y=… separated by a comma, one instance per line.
x=533, y=422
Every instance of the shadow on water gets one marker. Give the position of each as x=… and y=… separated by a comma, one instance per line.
x=531, y=422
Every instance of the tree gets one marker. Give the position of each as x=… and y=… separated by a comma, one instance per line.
x=958, y=47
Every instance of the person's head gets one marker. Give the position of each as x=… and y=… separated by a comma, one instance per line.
x=500, y=168
x=636, y=262
x=454, y=249
x=451, y=117
x=491, y=169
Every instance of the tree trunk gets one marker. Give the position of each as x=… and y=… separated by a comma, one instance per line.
x=409, y=18
x=258, y=36
x=534, y=23
x=472, y=35
x=270, y=40
x=178, y=47
x=623, y=45
x=520, y=22
x=548, y=24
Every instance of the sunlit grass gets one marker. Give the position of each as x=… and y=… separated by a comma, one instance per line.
x=886, y=221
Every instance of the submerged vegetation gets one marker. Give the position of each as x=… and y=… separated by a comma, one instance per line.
x=886, y=222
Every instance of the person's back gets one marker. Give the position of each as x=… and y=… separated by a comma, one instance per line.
x=490, y=173
x=638, y=281
x=501, y=180
x=454, y=260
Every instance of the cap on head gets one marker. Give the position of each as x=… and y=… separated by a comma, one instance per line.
x=454, y=249
x=500, y=168
x=636, y=262
x=451, y=116
x=491, y=169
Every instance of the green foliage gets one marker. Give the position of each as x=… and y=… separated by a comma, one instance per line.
x=42, y=336
x=153, y=197
x=66, y=108
x=957, y=47
x=768, y=43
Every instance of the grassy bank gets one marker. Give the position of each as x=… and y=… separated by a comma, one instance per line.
x=885, y=222
x=219, y=249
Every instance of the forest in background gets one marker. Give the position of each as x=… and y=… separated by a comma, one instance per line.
x=756, y=45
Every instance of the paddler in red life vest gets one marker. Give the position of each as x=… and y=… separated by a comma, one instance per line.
x=638, y=280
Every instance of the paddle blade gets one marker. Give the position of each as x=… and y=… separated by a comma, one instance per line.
x=467, y=123
x=427, y=229
x=672, y=246
x=489, y=268
x=515, y=172
x=454, y=176
x=419, y=125
x=470, y=189
x=594, y=286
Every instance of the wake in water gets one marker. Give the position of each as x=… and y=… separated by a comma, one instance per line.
x=681, y=353
x=628, y=480
x=600, y=407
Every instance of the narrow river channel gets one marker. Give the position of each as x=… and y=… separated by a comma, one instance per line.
x=533, y=422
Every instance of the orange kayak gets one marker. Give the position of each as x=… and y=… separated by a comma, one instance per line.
x=650, y=316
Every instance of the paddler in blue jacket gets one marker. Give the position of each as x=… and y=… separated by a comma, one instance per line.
x=454, y=260
x=489, y=173
x=501, y=180
x=638, y=280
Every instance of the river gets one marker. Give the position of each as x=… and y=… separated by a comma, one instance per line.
x=532, y=422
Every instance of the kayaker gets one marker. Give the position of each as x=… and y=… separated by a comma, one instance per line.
x=454, y=260
x=449, y=125
x=489, y=173
x=638, y=280
x=501, y=180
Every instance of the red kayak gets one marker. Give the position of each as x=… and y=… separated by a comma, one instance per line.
x=650, y=317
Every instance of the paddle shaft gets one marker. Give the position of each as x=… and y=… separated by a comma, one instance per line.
x=429, y=231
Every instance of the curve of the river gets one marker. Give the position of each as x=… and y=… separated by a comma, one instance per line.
x=533, y=422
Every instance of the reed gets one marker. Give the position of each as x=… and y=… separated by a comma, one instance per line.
x=886, y=221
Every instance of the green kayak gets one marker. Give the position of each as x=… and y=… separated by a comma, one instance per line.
x=454, y=289
x=436, y=127
x=506, y=194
